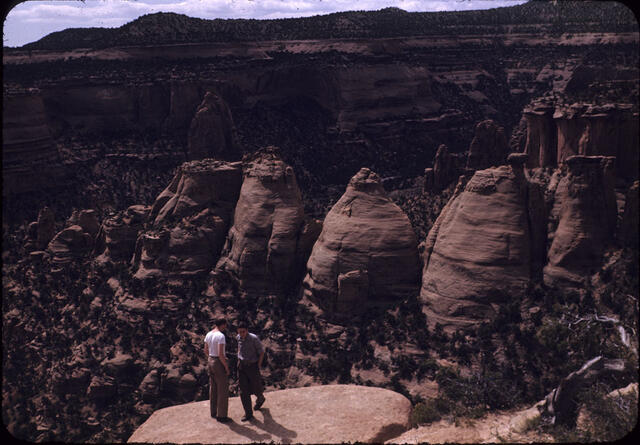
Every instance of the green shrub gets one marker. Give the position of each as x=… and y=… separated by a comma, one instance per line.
x=425, y=412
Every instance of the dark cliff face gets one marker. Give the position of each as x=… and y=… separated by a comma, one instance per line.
x=331, y=106
x=103, y=324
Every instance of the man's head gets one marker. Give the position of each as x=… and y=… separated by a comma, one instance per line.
x=243, y=329
x=221, y=324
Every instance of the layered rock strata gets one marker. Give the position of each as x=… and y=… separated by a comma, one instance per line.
x=212, y=133
x=264, y=245
x=30, y=160
x=582, y=221
x=70, y=245
x=189, y=220
x=478, y=252
x=367, y=251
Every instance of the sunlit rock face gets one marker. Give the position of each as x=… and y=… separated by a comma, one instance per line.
x=582, y=221
x=366, y=253
x=478, y=252
x=189, y=221
x=264, y=246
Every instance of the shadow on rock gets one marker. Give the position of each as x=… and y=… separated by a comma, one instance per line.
x=271, y=426
x=248, y=432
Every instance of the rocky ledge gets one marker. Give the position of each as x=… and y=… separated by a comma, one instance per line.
x=316, y=414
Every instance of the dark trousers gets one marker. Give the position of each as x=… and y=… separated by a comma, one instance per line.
x=218, y=388
x=250, y=383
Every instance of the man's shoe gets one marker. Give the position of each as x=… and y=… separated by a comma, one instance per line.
x=259, y=403
x=247, y=417
x=223, y=419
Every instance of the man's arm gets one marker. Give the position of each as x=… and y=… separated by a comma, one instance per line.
x=206, y=349
x=260, y=348
x=260, y=359
x=222, y=357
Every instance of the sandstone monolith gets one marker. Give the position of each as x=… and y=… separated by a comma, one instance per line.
x=262, y=246
x=478, y=252
x=189, y=221
x=367, y=251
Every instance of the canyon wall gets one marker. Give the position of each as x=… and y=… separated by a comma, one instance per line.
x=30, y=159
x=556, y=131
x=367, y=102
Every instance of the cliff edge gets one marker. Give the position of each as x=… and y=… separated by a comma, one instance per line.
x=316, y=414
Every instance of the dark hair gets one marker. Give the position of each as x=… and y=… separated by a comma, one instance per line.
x=242, y=324
x=220, y=321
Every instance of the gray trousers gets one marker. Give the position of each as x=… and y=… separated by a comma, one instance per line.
x=250, y=383
x=218, y=388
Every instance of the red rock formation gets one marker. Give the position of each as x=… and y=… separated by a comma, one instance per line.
x=445, y=170
x=489, y=146
x=41, y=231
x=70, y=245
x=541, y=145
x=555, y=132
x=366, y=252
x=262, y=245
x=478, y=252
x=212, y=133
x=116, y=240
x=189, y=221
x=585, y=213
x=607, y=130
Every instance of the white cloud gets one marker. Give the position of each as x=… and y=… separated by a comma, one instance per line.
x=32, y=20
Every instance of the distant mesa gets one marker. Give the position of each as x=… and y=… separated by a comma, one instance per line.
x=367, y=251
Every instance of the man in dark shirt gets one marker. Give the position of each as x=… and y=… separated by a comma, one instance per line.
x=250, y=355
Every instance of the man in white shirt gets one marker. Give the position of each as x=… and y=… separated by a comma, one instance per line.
x=214, y=347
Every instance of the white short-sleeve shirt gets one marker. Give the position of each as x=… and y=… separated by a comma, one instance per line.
x=213, y=339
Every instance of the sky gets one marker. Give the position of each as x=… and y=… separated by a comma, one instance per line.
x=33, y=19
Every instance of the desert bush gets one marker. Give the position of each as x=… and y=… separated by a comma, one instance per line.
x=424, y=413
